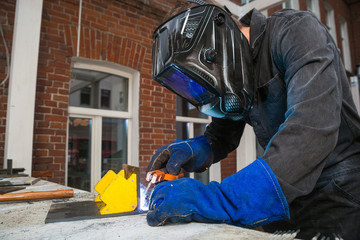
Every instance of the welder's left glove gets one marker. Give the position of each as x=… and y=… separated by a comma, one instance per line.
x=192, y=155
x=249, y=198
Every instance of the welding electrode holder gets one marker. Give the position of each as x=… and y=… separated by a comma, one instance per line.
x=158, y=176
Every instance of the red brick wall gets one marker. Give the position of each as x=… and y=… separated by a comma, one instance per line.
x=228, y=165
x=302, y=5
x=274, y=9
x=113, y=31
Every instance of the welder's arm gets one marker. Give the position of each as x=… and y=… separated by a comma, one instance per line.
x=297, y=153
x=193, y=155
x=249, y=198
x=224, y=136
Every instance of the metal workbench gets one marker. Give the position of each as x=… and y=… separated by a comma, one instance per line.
x=26, y=220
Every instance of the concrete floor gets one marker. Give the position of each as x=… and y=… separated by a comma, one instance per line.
x=25, y=220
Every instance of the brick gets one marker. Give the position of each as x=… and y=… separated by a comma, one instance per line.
x=51, y=103
x=40, y=167
x=55, y=118
x=60, y=147
x=52, y=167
x=58, y=77
x=55, y=125
x=57, y=111
x=42, y=145
x=61, y=132
x=44, y=131
x=62, y=98
x=60, y=160
x=42, y=139
x=54, y=139
x=43, y=96
x=56, y=153
x=42, y=124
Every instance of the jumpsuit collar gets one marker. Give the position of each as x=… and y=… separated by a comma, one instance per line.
x=257, y=23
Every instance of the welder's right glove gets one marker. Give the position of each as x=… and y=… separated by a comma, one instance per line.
x=193, y=155
x=248, y=198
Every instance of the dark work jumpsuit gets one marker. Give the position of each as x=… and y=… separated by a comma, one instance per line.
x=305, y=119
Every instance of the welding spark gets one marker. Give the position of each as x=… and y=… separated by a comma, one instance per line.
x=143, y=202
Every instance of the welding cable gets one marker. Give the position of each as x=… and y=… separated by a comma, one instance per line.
x=7, y=57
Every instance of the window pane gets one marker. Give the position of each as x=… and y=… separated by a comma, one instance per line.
x=309, y=5
x=93, y=89
x=203, y=177
x=288, y=4
x=199, y=129
x=182, y=132
x=114, y=144
x=259, y=149
x=185, y=109
x=79, y=153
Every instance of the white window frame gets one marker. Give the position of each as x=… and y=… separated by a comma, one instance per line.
x=265, y=12
x=246, y=151
x=247, y=2
x=294, y=4
x=132, y=115
x=215, y=169
x=314, y=8
x=345, y=43
x=355, y=91
x=330, y=20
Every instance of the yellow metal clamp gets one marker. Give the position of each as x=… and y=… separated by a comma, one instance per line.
x=118, y=193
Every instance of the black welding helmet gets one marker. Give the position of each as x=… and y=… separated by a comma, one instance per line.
x=202, y=56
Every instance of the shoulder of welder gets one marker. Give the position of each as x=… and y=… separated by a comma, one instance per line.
x=287, y=22
x=289, y=16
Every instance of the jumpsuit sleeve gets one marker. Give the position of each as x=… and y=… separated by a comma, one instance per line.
x=224, y=136
x=308, y=58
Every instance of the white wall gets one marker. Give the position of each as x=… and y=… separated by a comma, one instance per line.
x=22, y=85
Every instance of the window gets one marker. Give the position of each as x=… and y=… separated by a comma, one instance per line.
x=247, y=150
x=265, y=12
x=103, y=121
x=330, y=21
x=105, y=98
x=192, y=123
x=85, y=97
x=355, y=91
x=292, y=4
x=98, y=90
x=243, y=2
x=313, y=6
x=345, y=43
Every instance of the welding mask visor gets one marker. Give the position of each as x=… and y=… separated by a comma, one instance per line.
x=202, y=56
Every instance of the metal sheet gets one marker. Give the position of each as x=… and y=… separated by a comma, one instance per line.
x=74, y=211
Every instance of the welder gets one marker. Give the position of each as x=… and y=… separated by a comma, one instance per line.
x=283, y=76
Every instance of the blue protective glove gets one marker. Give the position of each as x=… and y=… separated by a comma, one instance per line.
x=249, y=198
x=193, y=155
